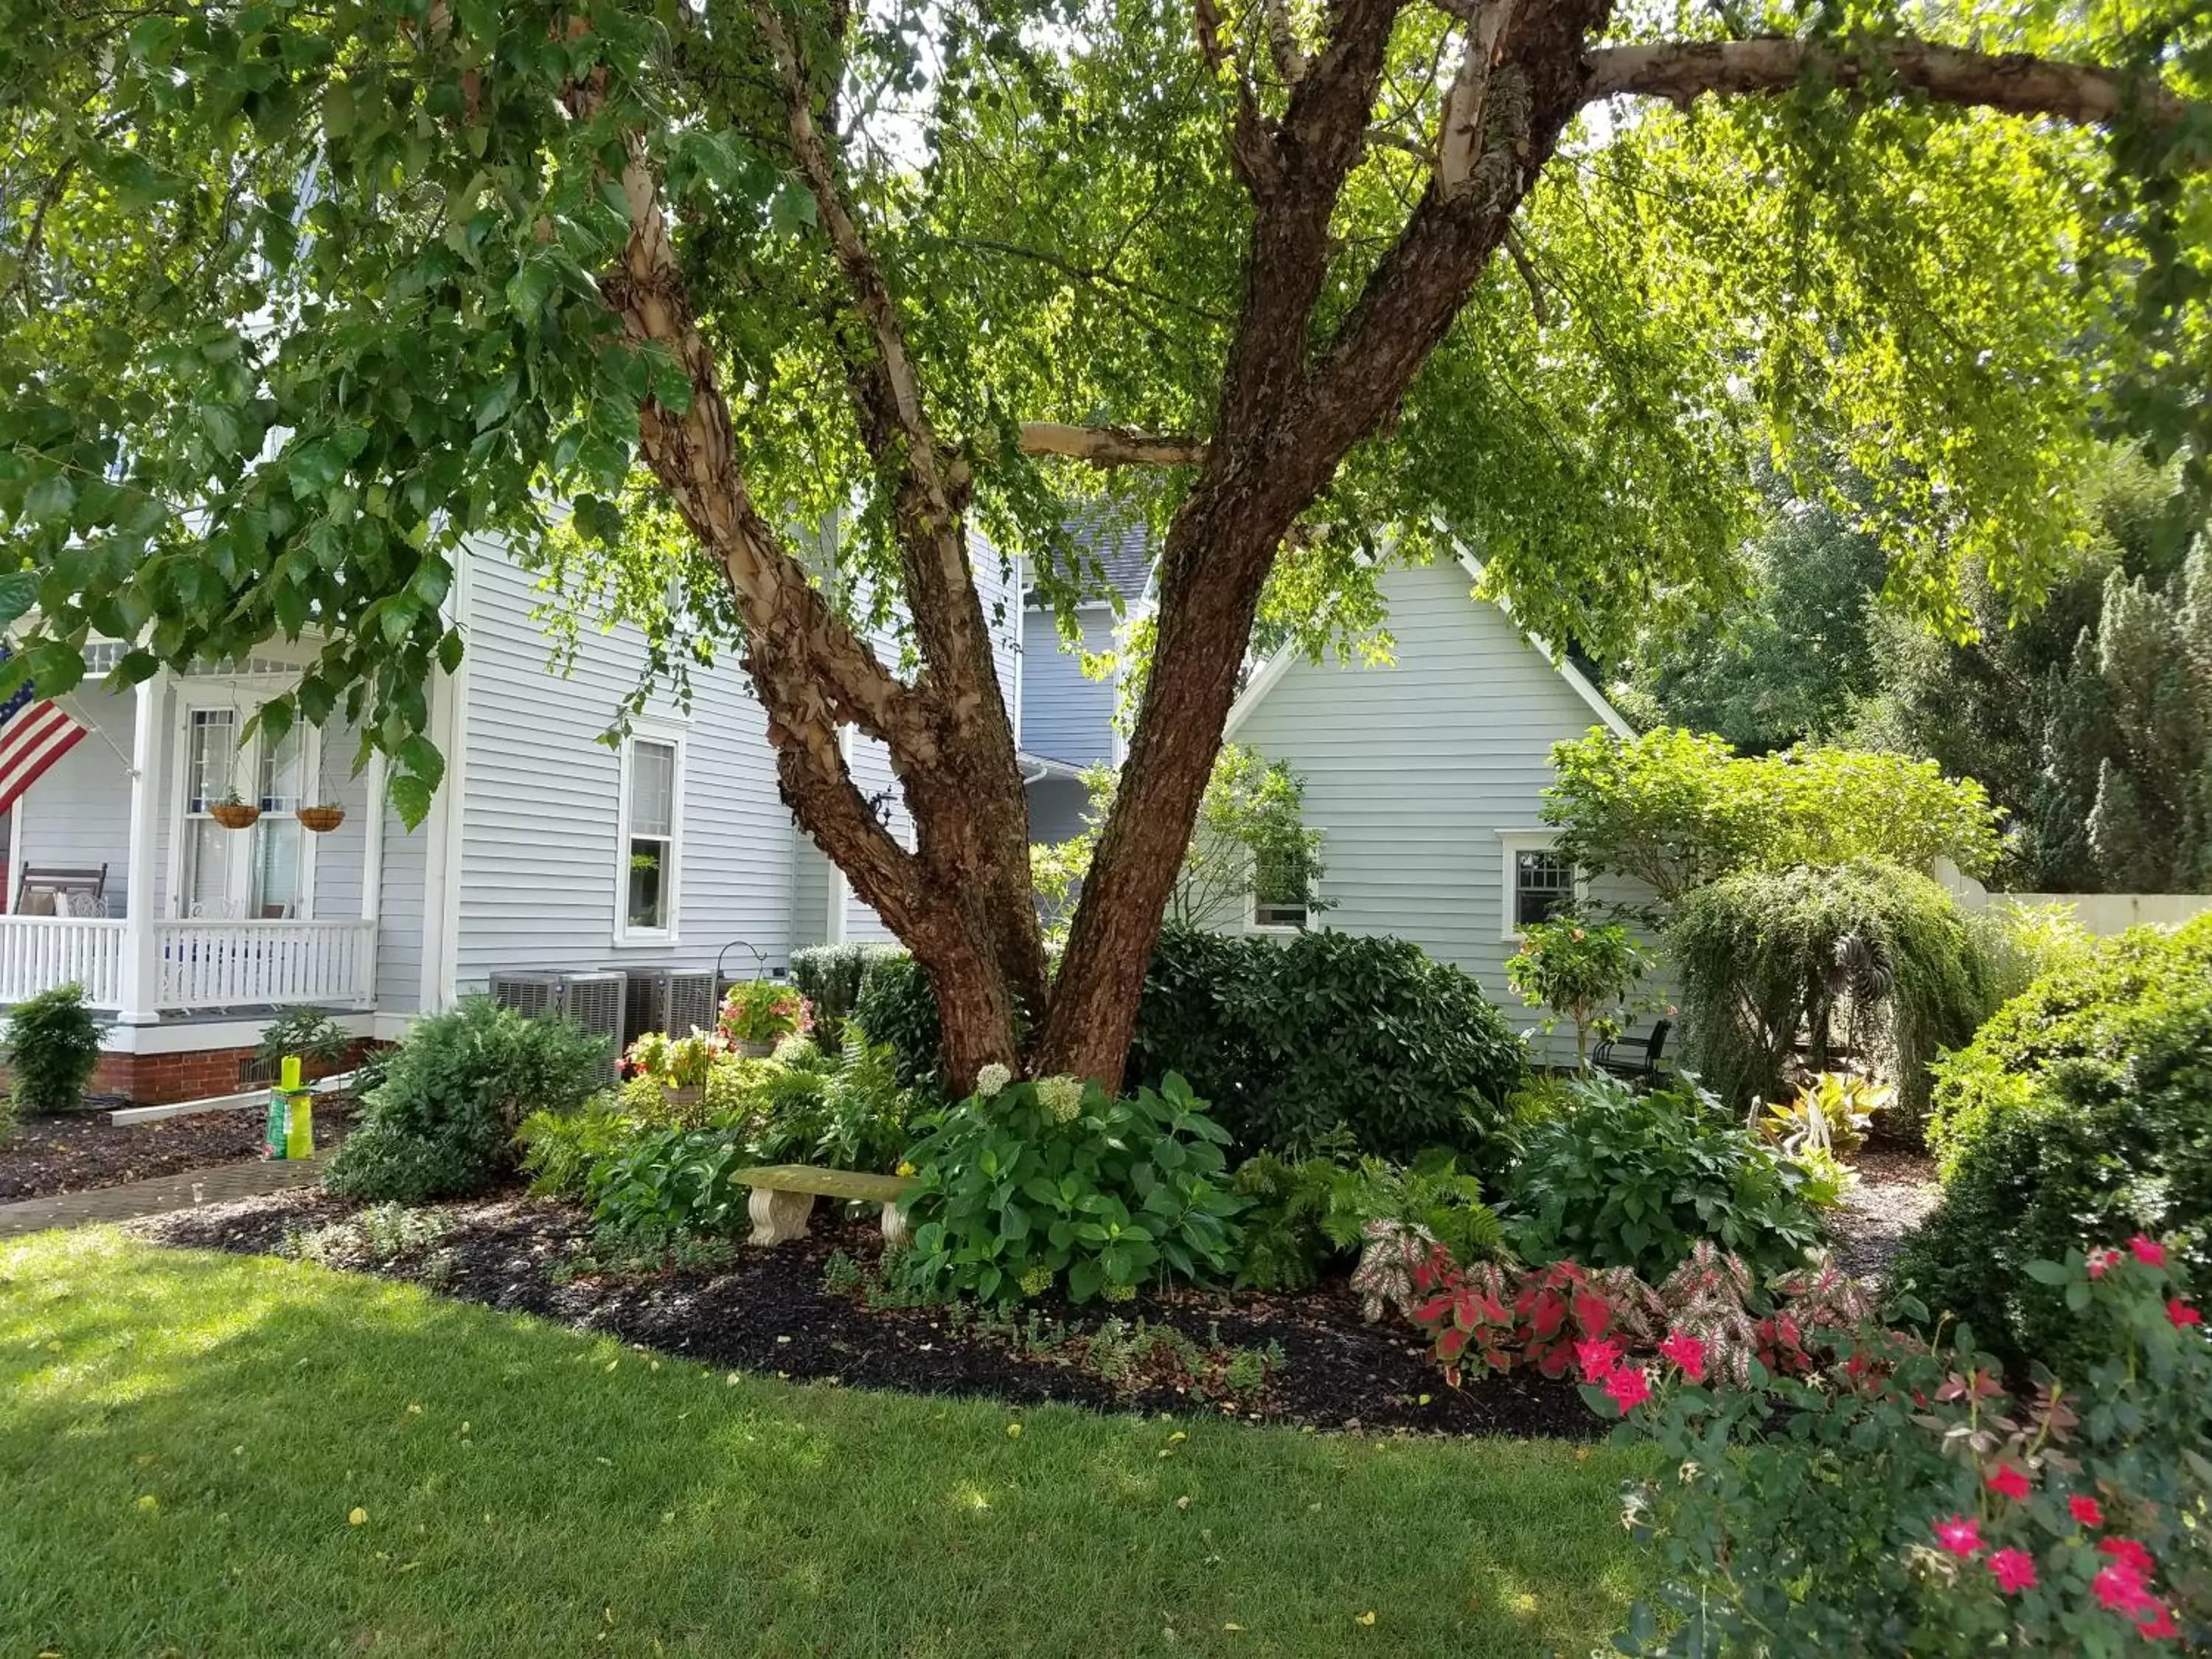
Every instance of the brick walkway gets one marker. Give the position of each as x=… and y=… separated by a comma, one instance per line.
x=163, y=1192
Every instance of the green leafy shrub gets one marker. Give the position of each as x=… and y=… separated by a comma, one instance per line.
x=667, y=1183
x=1868, y=956
x=846, y=1111
x=1327, y=1030
x=898, y=1008
x=441, y=1123
x=1582, y=972
x=2021, y=944
x=320, y=1042
x=2096, y=1004
x=1307, y=1216
x=1900, y=1501
x=53, y=1045
x=829, y=977
x=1288, y=1040
x=51, y=1051
x=1040, y=1182
x=1675, y=810
x=561, y=1149
x=1629, y=1180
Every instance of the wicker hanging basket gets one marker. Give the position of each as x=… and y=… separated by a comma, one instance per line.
x=320, y=820
x=235, y=814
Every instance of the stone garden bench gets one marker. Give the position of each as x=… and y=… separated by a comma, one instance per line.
x=784, y=1195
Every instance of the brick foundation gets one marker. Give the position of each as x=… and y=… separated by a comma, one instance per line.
x=196, y=1074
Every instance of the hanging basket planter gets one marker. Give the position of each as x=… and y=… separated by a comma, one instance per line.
x=235, y=814
x=320, y=820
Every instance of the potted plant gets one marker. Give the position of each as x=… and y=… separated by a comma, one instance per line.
x=234, y=811
x=320, y=820
x=678, y=1064
x=758, y=1014
x=1582, y=972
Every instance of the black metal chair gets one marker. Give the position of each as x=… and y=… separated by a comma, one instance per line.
x=1638, y=1062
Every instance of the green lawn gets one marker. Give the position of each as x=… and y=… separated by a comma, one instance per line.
x=184, y=1439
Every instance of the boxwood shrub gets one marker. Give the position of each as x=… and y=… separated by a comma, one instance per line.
x=1288, y=1041
x=2082, y=1113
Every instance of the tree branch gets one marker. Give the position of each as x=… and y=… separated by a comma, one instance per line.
x=1111, y=445
x=2016, y=83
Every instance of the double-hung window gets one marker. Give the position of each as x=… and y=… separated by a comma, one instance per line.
x=651, y=838
x=1282, y=887
x=1539, y=883
x=266, y=870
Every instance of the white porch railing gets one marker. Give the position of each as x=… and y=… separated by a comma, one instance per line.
x=228, y=964
x=38, y=953
x=202, y=964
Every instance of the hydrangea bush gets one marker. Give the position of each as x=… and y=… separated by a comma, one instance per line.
x=1031, y=1184
x=1883, y=1494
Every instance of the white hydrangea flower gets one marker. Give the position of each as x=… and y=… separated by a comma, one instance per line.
x=992, y=1078
x=1061, y=1098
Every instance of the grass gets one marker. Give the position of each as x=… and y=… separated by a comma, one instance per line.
x=213, y=1455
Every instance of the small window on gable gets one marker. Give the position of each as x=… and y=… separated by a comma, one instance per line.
x=651, y=812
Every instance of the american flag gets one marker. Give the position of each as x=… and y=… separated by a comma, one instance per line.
x=34, y=733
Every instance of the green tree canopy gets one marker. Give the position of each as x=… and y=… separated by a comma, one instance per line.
x=673, y=293
x=1676, y=810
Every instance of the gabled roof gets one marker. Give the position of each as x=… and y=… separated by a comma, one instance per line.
x=1280, y=664
x=1122, y=548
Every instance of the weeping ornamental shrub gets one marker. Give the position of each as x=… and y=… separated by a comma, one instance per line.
x=1864, y=955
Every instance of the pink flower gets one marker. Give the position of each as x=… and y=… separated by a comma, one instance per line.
x=2119, y=1588
x=2182, y=1314
x=2148, y=1251
x=1629, y=1387
x=2159, y=1627
x=1597, y=1356
x=2015, y=1571
x=1687, y=1352
x=2102, y=1262
x=2131, y=1554
x=2087, y=1511
x=2010, y=1480
x=1959, y=1535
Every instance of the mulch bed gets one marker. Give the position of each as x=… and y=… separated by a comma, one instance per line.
x=49, y=1156
x=769, y=1311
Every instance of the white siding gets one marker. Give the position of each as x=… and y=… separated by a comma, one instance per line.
x=537, y=882
x=77, y=815
x=1066, y=715
x=399, y=929
x=1412, y=769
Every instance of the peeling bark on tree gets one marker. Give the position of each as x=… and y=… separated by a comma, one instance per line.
x=1291, y=406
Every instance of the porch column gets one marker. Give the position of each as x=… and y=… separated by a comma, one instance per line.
x=378, y=780
x=142, y=961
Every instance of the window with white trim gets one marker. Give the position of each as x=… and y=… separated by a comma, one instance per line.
x=650, y=839
x=265, y=871
x=1539, y=883
x=1282, y=892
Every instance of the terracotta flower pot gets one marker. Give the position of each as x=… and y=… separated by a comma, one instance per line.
x=235, y=815
x=320, y=820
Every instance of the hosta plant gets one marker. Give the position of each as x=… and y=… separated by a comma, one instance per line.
x=1831, y=1113
x=1055, y=1180
x=1898, y=1499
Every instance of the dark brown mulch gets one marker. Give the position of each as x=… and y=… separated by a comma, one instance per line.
x=1897, y=1189
x=47, y=1156
x=767, y=1311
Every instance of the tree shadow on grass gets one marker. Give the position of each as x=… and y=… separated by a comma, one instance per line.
x=184, y=1438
